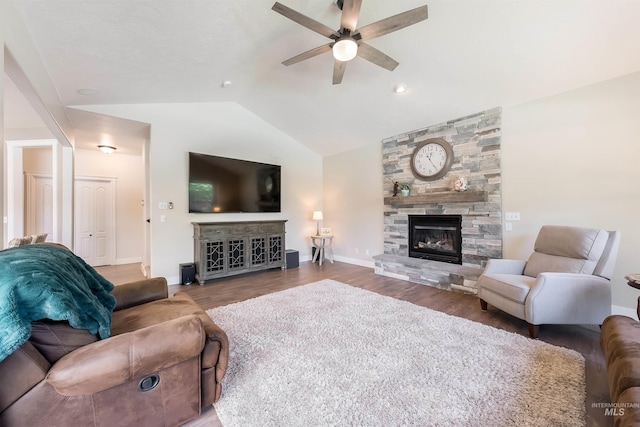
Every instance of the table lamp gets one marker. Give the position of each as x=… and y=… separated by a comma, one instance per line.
x=317, y=216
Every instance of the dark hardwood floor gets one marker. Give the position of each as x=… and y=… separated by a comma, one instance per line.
x=584, y=339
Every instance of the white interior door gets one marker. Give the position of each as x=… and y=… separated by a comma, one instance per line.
x=95, y=221
x=39, y=197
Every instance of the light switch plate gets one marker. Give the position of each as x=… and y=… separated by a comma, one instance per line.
x=512, y=216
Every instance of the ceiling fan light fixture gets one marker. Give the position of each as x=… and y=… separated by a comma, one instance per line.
x=345, y=49
x=107, y=149
x=349, y=40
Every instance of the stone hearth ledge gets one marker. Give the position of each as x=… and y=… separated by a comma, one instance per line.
x=441, y=275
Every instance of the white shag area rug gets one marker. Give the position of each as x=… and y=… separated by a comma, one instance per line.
x=329, y=354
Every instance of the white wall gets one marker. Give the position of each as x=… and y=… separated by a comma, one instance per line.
x=572, y=159
x=353, y=203
x=224, y=129
x=37, y=160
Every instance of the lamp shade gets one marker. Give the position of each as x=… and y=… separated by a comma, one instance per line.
x=317, y=215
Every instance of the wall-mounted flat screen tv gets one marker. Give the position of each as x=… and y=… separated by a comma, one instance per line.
x=225, y=185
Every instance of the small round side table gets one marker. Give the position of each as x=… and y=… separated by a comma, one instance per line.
x=321, y=243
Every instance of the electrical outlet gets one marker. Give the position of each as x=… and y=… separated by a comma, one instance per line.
x=366, y=252
x=163, y=218
x=162, y=205
x=508, y=226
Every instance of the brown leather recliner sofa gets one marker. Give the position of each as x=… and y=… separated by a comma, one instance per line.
x=620, y=342
x=164, y=361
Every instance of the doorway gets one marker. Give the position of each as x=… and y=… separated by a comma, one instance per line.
x=39, y=212
x=95, y=220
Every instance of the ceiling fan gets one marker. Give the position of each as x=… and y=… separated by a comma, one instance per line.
x=349, y=41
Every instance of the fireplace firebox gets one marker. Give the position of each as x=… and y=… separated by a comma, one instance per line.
x=436, y=237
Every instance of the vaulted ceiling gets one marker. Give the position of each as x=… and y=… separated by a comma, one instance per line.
x=469, y=55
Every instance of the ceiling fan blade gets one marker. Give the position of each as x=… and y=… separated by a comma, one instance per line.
x=305, y=21
x=350, y=14
x=372, y=54
x=391, y=24
x=338, y=71
x=308, y=54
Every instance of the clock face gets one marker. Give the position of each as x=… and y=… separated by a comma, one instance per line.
x=432, y=159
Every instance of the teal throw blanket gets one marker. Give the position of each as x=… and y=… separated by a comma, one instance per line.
x=50, y=282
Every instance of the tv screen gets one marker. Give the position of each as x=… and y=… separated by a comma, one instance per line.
x=223, y=185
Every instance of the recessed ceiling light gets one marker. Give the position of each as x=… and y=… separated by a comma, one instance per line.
x=400, y=87
x=88, y=91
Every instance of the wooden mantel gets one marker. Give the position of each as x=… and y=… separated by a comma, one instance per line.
x=438, y=197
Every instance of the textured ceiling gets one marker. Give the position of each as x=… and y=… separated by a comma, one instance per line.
x=468, y=56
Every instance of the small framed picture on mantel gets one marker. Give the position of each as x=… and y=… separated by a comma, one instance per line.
x=325, y=232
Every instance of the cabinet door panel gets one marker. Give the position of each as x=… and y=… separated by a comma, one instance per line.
x=213, y=256
x=258, y=251
x=237, y=254
x=276, y=249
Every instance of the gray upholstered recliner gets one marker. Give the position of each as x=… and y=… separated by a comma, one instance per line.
x=565, y=281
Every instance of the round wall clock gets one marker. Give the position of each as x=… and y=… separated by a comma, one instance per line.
x=432, y=159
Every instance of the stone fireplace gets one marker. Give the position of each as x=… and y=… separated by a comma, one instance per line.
x=475, y=141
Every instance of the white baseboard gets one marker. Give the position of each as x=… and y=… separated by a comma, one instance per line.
x=360, y=262
x=133, y=260
x=146, y=271
x=174, y=280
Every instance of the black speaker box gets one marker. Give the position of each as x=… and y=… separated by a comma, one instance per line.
x=187, y=273
x=292, y=259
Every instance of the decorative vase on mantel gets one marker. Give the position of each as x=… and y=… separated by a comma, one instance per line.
x=460, y=184
x=405, y=188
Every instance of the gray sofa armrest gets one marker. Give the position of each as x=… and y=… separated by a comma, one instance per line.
x=504, y=266
x=140, y=292
x=568, y=298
